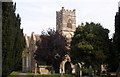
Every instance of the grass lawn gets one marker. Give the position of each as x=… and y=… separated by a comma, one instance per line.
x=49, y=75
x=107, y=76
x=30, y=73
x=58, y=75
x=13, y=74
x=55, y=75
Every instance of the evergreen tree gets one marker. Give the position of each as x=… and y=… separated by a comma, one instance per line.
x=13, y=40
x=116, y=43
x=90, y=45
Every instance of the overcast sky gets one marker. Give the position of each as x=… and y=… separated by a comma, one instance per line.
x=39, y=15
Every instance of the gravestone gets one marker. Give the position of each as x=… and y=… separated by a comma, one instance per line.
x=61, y=75
x=52, y=71
x=35, y=68
x=78, y=71
x=91, y=72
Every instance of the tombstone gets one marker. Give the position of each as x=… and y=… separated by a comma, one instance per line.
x=61, y=75
x=52, y=71
x=35, y=68
x=35, y=74
x=78, y=71
x=90, y=71
x=118, y=71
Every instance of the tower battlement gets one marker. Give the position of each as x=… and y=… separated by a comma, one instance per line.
x=72, y=12
x=119, y=4
x=66, y=22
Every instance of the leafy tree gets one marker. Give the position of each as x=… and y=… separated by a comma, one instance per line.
x=51, y=49
x=13, y=40
x=90, y=45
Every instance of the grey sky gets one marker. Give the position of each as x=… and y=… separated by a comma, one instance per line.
x=39, y=15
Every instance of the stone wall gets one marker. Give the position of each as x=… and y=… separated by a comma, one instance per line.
x=28, y=61
x=66, y=25
x=66, y=22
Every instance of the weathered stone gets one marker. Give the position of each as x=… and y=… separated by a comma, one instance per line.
x=28, y=61
x=66, y=22
x=66, y=25
x=78, y=70
x=103, y=68
x=91, y=72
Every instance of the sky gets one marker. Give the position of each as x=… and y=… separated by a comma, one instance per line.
x=39, y=15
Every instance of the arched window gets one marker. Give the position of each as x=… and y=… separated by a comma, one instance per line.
x=69, y=24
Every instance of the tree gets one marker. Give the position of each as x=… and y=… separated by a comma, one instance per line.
x=116, y=43
x=51, y=49
x=90, y=45
x=13, y=40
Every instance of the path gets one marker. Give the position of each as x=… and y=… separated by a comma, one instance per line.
x=22, y=75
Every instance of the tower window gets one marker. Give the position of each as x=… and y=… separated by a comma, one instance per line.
x=69, y=24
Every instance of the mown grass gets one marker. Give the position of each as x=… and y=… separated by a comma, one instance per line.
x=13, y=74
x=58, y=75
x=107, y=76
x=49, y=75
x=30, y=73
x=65, y=75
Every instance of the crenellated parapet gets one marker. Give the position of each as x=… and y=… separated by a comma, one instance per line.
x=66, y=22
x=119, y=7
x=68, y=12
x=119, y=4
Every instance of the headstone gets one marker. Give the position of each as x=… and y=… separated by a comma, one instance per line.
x=35, y=68
x=78, y=71
x=61, y=75
x=118, y=71
x=91, y=72
x=52, y=70
x=35, y=74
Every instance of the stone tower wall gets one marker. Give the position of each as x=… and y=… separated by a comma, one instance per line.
x=66, y=22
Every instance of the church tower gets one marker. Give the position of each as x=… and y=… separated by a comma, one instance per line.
x=66, y=22
x=66, y=25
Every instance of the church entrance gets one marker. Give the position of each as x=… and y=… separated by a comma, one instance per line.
x=68, y=69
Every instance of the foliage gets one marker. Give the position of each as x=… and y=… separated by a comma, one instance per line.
x=116, y=45
x=13, y=40
x=51, y=49
x=85, y=71
x=90, y=45
x=14, y=73
x=24, y=54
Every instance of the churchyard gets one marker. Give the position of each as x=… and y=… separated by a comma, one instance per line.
x=52, y=75
x=68, y=51
x=15, y=74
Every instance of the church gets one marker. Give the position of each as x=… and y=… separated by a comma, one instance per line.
x=66, y=26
